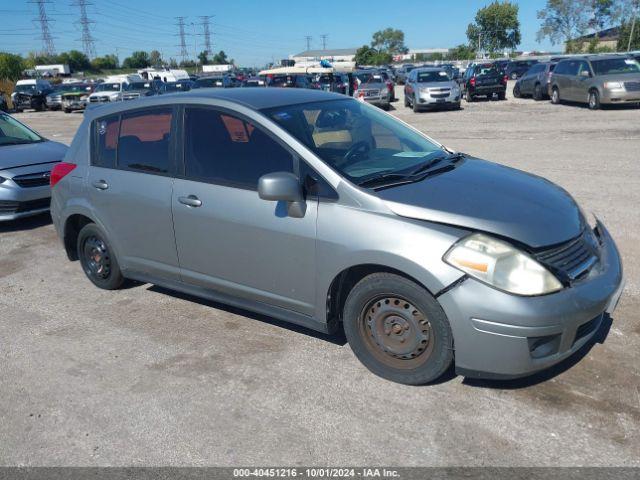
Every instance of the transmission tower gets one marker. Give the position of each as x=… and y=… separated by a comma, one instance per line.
x=43, y=19
x=88, y=45
x=324, y=37
x=206, y=20
x=308, y=39
x=183, y=43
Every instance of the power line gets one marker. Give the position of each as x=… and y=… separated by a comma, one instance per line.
x=88, y=45
x=43, y=19
x=183, y=43
x=324, y=37
x=308, y=39
x=206, y=19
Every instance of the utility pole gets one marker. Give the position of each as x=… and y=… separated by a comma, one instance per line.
x=88, y=46
x=43, y=19
x=206, y=20
x=195, y=45
x=183, y=44
x=308, y=39
x=324, y=41
x=633, y=25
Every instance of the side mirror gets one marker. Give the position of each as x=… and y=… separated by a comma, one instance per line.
x=283, y=187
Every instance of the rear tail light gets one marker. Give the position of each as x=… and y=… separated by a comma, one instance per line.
x=389, y=85
x=60, y=171
x=505, y=79
x=355, y=86
x=472, y=81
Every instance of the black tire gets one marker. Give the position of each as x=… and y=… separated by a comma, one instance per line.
x=502, y=96
x=406, y=100
x=66, y=110
x=40, y=106
x=537, y=92
x=516, y=91
x=594, y=100
x=468, y=97
x=419, y=347
x=97, y=258
x=414, y=105
x=555, y=96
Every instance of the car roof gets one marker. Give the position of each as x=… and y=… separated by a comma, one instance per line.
x=429, y=69
x=255, y=99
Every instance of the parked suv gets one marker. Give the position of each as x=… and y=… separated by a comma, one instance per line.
x=596, y=80
x=323, y=211
x=431, y=87
x=484, y=79
x=535, y=82
x=518, y=68
x=31, y=94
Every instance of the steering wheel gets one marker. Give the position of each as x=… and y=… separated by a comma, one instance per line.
x=361, y=147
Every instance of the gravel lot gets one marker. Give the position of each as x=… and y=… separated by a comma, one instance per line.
x=144, y=376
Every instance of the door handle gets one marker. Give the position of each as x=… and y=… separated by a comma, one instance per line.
x=100, y=185
x=190, y=201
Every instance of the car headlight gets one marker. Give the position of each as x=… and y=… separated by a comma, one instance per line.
x=84, y=97
x=613, y=85
x=501, y=265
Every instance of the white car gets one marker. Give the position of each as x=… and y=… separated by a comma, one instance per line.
x=111, y=89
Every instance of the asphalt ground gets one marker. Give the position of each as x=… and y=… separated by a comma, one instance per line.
x=145, y=376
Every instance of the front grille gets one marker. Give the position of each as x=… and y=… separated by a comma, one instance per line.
x=8, y=207
x=632, y=86
x=587, y=328
x=572, y=259
x=98, y=99
x=39, y=179
x=130, y=96
x=439, y=95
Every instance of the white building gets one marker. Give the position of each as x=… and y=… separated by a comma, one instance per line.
x=332, y=55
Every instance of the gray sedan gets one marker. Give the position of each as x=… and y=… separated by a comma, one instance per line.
x=431, y=87
x=372, y=88
x=26, y=160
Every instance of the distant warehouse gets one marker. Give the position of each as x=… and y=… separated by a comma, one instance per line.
x=335, y=55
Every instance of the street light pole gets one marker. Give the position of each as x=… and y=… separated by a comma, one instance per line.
x=633, y=26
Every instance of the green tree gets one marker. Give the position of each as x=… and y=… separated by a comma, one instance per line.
x=365, y=55
x=496, y=27
x=108, y=62
x=11, y=66
x=220, y=58
x=390, y=41
x=76, y=60
x=462, y=52
x=203, y=57
x=187, y=64
x=625, y=33
x=564, y=20
x=137, y=59
x=155, y=58
x=173, y=63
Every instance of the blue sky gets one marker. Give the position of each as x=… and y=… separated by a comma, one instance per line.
x=252, y=32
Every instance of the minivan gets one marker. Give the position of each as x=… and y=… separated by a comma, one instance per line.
x=596, y=80
x=324, y=211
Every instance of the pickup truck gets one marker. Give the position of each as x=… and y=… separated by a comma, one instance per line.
x=484, y=80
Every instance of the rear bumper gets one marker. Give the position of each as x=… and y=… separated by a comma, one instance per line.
x=499, y=335
x=489, y=90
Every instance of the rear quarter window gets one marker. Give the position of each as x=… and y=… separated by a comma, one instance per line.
x=105, y=136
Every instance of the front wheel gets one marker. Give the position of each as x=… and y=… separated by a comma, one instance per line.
x=398, y=330
x=594, y=100
x=516, y=91
x=97, y=258
x=406, y=100
x=555, y=96
x=537, y=92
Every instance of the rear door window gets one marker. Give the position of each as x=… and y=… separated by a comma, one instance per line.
x=106, y=132
x=144, y=141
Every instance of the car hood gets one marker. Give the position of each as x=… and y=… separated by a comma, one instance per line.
x=12, y=156
x=448, y=84
x=484, y=196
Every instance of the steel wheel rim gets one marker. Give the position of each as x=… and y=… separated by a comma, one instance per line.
x=592, y=100
x=96, y=258
x=396, y=332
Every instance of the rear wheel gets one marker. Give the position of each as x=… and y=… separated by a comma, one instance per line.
x=502, y=96
x=468, y=96
x=398, y=330
x=594, y=100
x=516, y=91
x=406, y=100
x=98, y=260
x=537, y=92
x=555, y=96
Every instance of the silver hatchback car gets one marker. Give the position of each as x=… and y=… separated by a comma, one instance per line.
x=326, y=212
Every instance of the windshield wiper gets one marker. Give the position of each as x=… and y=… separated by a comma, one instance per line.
x=433, y=162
